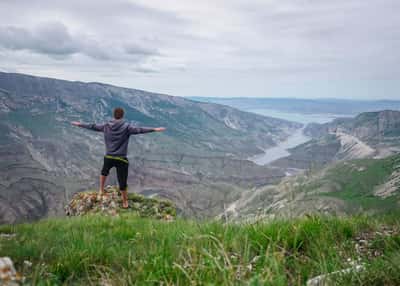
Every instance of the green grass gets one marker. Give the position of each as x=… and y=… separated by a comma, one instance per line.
x=129, y=250
x=356, y=181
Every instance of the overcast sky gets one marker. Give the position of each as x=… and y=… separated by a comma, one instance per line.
x=224, y=48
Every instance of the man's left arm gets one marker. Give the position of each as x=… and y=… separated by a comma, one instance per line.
x=140, y=130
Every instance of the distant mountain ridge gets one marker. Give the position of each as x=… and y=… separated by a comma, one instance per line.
x=307, y=106
x=366, y=126
x=199, y=163
x=368, y=135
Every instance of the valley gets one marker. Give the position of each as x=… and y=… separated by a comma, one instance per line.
x=200, y=163
x=213, y=161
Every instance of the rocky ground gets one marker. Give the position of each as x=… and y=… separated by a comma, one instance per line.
x=110, y=203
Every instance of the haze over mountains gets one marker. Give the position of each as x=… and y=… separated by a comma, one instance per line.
x=307, y=106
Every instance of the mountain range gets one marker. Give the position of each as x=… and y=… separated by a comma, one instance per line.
x=351, y=165
x=199, y=163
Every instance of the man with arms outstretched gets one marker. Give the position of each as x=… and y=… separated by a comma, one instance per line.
x=116, y=137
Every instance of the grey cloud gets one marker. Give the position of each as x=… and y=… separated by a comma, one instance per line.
x=191, y=45
x=134, y=49
x=53, y=39
x=145, y=70
x=351, y=37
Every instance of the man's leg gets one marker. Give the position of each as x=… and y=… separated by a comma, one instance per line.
x=102, y=183
x=124, y=195
x=107, y=165
x=122, y=174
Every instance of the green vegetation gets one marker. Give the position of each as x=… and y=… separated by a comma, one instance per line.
x=355, y=182
x=129, y=250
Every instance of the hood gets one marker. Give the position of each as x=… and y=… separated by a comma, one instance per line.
x=117, y=124
x=117, y=127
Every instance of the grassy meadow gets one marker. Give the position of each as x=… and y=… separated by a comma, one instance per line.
x=129, y=250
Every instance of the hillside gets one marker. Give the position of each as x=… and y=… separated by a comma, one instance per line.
x=346, y=187
x=199, y=163
x=127, y=250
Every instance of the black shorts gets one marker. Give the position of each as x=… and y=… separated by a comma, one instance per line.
x=121, y=164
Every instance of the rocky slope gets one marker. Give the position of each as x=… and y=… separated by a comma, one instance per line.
x=199, y=163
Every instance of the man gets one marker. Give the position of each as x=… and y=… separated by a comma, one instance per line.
x=116, y=137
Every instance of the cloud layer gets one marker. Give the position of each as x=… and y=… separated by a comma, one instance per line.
x=304, y=48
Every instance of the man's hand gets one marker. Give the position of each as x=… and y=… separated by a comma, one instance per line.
x=76, y=123
x=159, y=129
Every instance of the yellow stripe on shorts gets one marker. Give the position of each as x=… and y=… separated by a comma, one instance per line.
x=116, y=158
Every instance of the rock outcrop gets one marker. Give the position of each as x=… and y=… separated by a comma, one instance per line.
x=110, y=203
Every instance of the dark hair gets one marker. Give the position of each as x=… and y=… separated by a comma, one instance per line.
x=118, y=113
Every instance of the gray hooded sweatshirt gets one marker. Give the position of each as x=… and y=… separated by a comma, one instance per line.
x=116, y=135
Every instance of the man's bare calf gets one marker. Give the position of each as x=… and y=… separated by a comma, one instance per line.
x=124, y=194
x=102, y=182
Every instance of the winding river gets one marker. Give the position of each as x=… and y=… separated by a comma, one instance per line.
x=296, y=139
x=280, y=150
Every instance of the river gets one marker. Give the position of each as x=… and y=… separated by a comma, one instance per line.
x=280, y=150
x=296, y=139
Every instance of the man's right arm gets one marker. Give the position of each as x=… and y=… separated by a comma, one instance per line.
x=93, y=126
